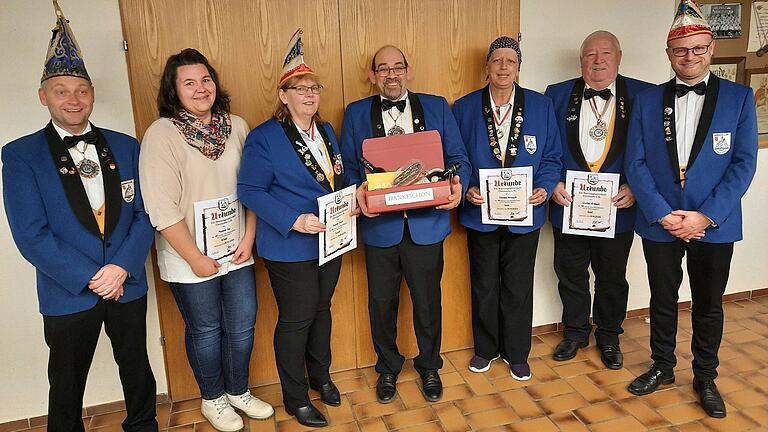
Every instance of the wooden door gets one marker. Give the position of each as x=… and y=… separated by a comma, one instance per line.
x=445, y=41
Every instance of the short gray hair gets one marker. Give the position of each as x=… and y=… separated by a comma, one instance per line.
x=600, y=33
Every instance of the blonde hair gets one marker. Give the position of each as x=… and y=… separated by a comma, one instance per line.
x=281, y=112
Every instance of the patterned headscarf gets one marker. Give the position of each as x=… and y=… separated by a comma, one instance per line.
x=505, y=42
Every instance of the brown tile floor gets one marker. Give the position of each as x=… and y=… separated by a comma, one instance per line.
x=577, y=395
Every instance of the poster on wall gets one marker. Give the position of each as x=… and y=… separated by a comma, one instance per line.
x=728, y=68
x=758, y=27
x=758, y=80
x=724, y=18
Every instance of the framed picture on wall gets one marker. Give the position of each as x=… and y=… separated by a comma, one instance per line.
x=758, y=80
x=729, y=68
x=724, y=18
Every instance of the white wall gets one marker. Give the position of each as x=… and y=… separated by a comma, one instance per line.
x=552, y=33
x=25, y=29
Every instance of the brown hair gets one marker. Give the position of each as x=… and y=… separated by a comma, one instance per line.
x=281, y=112
x=168, y=103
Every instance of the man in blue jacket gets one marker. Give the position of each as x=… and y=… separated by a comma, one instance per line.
x=593, y=114
x=691, y=156
x=399, y=244
x=73, y=204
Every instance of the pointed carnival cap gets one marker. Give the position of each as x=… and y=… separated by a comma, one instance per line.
x=64, y=56
x=688, y=21
x=294, y=60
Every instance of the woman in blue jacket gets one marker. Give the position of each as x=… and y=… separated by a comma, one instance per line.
x=288, y=162
x=504, y=125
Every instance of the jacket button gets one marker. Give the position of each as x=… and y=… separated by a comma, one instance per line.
x=109, y=244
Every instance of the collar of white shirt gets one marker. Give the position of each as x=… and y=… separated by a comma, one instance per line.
x=63, y=133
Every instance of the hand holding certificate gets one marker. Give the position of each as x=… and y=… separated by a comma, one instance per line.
x=336, y=212
x=218, y=225
x=506, y=193
x=592, y=211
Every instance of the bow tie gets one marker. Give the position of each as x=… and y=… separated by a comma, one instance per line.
x=682, y=89
x=604, y=93
x=88, y=137
x=387, y=105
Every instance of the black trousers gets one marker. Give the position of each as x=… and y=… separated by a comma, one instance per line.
x=501, y=266
x=422, y=266
x=72, y=341
x=709, y=265
x=608, y=257
x=303, y=333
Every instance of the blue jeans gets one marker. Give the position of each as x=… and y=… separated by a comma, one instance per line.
x=220, y=315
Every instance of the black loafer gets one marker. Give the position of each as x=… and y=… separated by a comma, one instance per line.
x=308, y=416
x=386, y=388
x=611, y=356
x=329, y=394
x=710, y=398
x=567, y=349
x=650, y=381
x=431, y=386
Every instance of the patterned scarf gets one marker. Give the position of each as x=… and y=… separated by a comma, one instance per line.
x=209, y=139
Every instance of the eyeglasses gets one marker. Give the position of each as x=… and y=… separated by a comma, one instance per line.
x=305, y=90
x=384, y=71
x=697, y=50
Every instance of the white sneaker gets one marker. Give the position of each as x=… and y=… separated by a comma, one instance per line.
x=221, y=415
x=251, y=406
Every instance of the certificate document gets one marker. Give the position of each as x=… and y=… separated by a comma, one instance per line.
x=219, y=227
x=506, y=192
x=340, y=235
x=591, y=212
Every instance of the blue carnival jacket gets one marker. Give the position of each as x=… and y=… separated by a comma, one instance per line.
x=53, y=224
x=538, y=147
x=277, y=184
x=567, y=97
x=718, y=171
x=362, y=120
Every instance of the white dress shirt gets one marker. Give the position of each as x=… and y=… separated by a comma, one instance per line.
x=593, y=150
x=316, y=144
x=94, y=187
x=404, y=119
x=506, y=124
x=687, y=112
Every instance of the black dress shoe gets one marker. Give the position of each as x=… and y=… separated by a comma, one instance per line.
x=710, y=398
x=567, y=349
x=386, y=388
x=431, y=386
x=308, y=416
x=611, y=356
x=650, y=381
x=329, y=394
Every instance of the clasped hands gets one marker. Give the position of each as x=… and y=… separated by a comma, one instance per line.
x=108, y=282
x=685, y=224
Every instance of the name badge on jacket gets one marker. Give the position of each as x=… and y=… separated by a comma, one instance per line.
x=721, y=142
x=128, y=190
